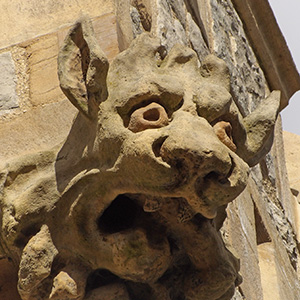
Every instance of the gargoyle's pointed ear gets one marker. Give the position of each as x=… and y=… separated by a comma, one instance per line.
x=82, y=69
x=259, y=126
x=216, y=70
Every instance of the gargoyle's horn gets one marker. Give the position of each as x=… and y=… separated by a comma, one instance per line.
x=216, y=70
x=82, y=68
x=259, y=126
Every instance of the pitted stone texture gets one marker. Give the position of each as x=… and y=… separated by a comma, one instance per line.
x=64, y=287
x=174, y=24
x=170, y=30
x=8, y=82
x=131, y=193
x=151, y=116
x=196, y=38
x=247, y=79
x=36, y=263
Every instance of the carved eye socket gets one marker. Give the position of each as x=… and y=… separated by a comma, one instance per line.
x=151, y=116
x=223, y=130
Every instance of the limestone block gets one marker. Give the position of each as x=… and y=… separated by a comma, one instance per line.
x=44, y=85
x=281, y=234
x=26, y=20
x=278, y=171
x=292, y=155
x=8, y=95
x=106, y=34
x=267, y=264
x=37, y=129
x=240, y=226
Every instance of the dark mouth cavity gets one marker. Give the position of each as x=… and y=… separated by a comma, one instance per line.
x=120, y=215
x=128, y=211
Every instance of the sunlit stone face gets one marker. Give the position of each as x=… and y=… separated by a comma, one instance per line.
x=129, y=205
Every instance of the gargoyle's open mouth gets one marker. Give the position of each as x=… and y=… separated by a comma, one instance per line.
x=158, y=217
x=131, y=210
x=120, y=215
x=178, y=247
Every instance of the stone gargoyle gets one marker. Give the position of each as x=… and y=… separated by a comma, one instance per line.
x=129, y=207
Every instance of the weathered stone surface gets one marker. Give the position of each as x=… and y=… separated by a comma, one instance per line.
x=292, y=155
x=267, y=264
x=64, y=287
x=31, y=130
x=239, y=232
x=43, y=188
x=8, y=95
x=291, y=151
x=281, y=234
x=248, y=82
x=170, y=30
x=196, y=38
x=174, y=24
x=237, y=295
x=278, y=170
x=105, y=28
x=36, y=263
x=106, y=34
x=44, y=85
x=24, y=21
x=270, y=46
x=132, y=159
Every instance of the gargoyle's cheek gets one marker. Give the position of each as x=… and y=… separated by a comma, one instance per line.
x=139, y=168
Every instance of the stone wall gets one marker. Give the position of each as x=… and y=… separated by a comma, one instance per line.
x=261, y=224
x=31, y=102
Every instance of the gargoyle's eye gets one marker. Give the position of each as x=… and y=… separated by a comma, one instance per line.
x=223, y=130
x=153, y=115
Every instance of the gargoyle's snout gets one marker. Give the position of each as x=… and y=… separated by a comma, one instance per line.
x=212, y=175
x=193, y=146
x=189, y=154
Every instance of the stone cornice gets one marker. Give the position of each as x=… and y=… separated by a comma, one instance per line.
x=270, y=46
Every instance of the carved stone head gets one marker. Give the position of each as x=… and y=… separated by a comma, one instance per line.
x=161, y=148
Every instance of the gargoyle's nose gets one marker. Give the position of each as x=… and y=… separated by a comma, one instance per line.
x=194, y=147
x=210, y=173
